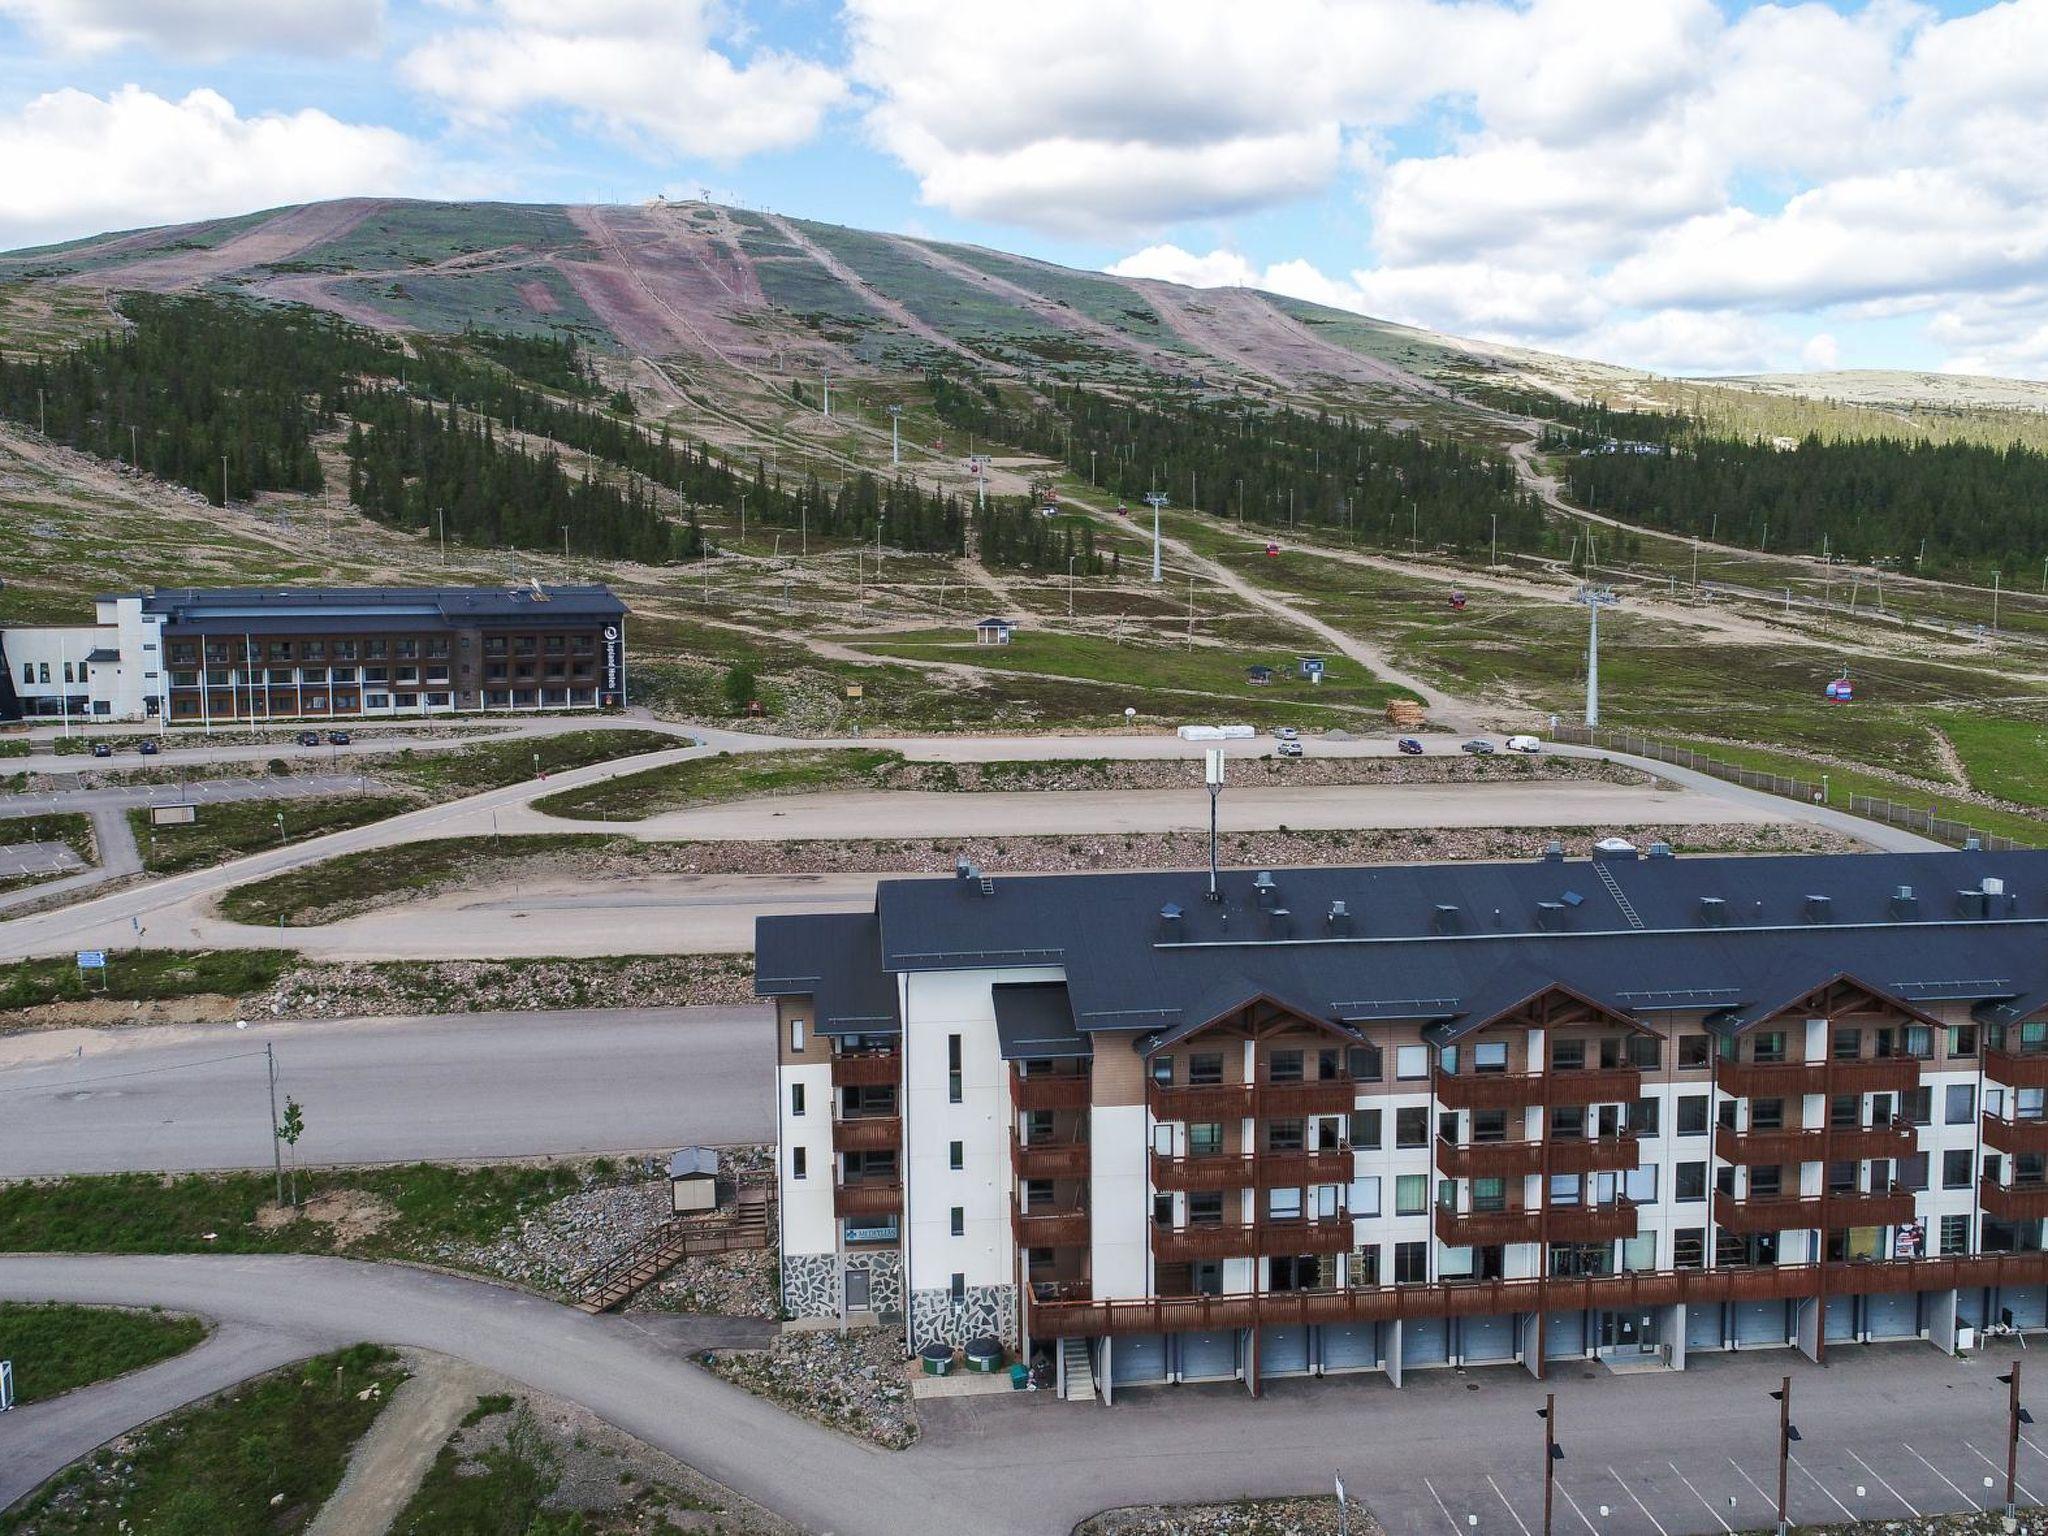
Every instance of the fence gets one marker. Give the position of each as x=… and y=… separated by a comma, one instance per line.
x=1924, y=820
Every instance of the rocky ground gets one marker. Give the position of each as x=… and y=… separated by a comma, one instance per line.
x=362, y=990
x=1299, y=772
x=1245, y=1517
x=853, y=1382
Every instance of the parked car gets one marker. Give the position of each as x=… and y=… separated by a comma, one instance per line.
x=309, y=738
x=1524, y=744
x=101, y=749
x=1409, y=746
x=1290, y=749
x=1287, y=733
x=337, y=738
x=148, y=747
x=1478, y=746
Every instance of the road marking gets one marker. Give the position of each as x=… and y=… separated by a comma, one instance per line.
x=1701, y=1497
x=1575, y=1508
x=1969, y=1498
x=2028, y=1442
x=1823, y=1487
x=1504, y=1502
x=1888, y=1488
x=1639, y=1503
x=1995, y=1467
x=1443, y=1506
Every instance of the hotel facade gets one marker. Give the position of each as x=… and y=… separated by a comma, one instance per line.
x=1385, y=1119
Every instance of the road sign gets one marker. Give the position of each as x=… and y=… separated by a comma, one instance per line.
x=92, y=959
x=6, y=1385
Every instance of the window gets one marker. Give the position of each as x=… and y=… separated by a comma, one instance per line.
x=1565, y=1188
x=1283, y=1204
x=1205, y=1138
x=1767, y=1115
x=1411, y=1194
x=1691, y=1181
x=1962, y=1040
x=1689, y=1248
x=1411, y=1062
x=959, y=1289
x=28, y=672
x=1411, y=1263
x=1489, y=1194
x=42, y=671
x=1567, y=1055
x=1645, y=1116
x=1365, y=1197
x=959, y=1220
x=1692, y=1114
x=1640, y=1184
x=797, y=1160
x=1845, y=1110
x=1490, y=1056
x=1365, y=1129
x=1568, y=1122
x=1162, y=1210
x=1204, y=1067
x=1365, y=1265
x=1411, y=1126
x=1959, y=1106
x=1644, y=1051
x=1285, y=1136
x=1640, y=1252
x=1162, y=1071
x=1955, y=1234
x=1694, y=1050
x=1955, y=1169
x=1284, y=1067
x=956, y=1155
x=1912, y=1172
x=1764, y=1183
x=1847, y=1044
x=796, y=1035
x=1365, y=1063
x=1769, y=1047
x=1919, y=1041
x=953, y=1069
x=796, y=1098
x=1205, y=1210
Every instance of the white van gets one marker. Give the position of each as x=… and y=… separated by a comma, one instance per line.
x=1524, y=744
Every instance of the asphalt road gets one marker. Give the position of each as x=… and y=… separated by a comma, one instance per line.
x=1888, y=1431
x=198, y=791
x=182, y=1098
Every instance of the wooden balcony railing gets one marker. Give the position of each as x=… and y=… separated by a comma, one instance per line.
x=1238, y=1101
x=1591, y=1223
x=1209, y=1171
x=1204, y=1101
x=2013, y=1202
x=1466, y=1229
x=2017, y=1069
x=867, y=1133
x=1862, y=1143
x=1237, y=1240
x=1488, y=1159
x=1049, y=1159
x=1596, y=1154
x=2015, y=1137
x=1050, y=1227
x=1833, y=1212
x=1513, y=1090
x=867, y=1069
x=1310, y=1165
x=868, y=1197
x=1049, y=1090
x=1815, y=1144
x=1786, y=1079
x=1316, y=1096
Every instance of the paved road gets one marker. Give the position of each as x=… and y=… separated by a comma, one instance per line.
x=184, y=1097
x=197, y=791
x=1646, y=1455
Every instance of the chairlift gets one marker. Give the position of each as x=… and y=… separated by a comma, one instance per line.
x=1457, y=600
x=1273, y=549
x=1841, y=690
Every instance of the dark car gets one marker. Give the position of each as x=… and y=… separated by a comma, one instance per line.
x=101, y=749
x=1479, y=746
x=148, y=747
x=337, y=738
x=309, y=738
x=1409, y=746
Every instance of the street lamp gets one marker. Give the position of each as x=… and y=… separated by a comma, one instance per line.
x=895, y=441
x=1553, y=1453
x=2015, y=1417
x=1788, y=1434
x=1070, y=584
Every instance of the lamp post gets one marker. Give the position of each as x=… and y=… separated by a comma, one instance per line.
x=2015, y=1417
x=1212, y=776
x=1788, y=1433
x=895, y=439
x=1070, y=584
x=1553, y=1453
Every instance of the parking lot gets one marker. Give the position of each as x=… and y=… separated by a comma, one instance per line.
x=45, y=858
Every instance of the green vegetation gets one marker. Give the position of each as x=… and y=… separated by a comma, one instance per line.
x=72, y=829
x=258, y=1460
x=494, y=764
x=56, y=1348
x=392, y=874
x=146, y=975
x=228, y=829
x=2003, y=757
x=728, y=776
x=502, y=1493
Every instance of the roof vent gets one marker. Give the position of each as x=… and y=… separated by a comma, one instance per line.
x=1713, y=911
x=1264, y=888
x=1973, y=844
x=1172, y=923
x=1819, y=909
x=1553, y=852
x=1339, y=918
x=1904, y=903
x=1279, y=923
x=1972, y=903
x=1993, y=886
x=1660, y=850
x=1448, y=918
x=1550, y=916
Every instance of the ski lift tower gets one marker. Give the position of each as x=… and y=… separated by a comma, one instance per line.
x=1156, y=499
x=1595, y=598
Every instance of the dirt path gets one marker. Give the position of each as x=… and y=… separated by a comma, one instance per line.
x=400, y=1446
x=279, y=239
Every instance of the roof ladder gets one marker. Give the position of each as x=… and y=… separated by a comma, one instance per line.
x=1614, y=889
x=988, y=886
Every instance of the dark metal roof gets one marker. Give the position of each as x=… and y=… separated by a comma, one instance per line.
x=835, y=959
x=1401, y=958
x=102, y=656
x=225, y=609
x=1035, y=1022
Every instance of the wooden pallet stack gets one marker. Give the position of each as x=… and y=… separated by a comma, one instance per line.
x=1406, y=714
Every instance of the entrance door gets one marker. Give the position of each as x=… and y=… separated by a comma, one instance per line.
x=1628, y=1333
x=857, y=1289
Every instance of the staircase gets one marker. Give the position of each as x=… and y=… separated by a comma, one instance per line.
x=1079, y=1374
x=619, y=1279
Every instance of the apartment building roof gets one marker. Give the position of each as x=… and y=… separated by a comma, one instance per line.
x=1457, y=946
x=835, y=958
x=319, y=609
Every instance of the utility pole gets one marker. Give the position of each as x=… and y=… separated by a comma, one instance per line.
x=441, y=517
x=1788, y=1433
x=1552, y=1455
x=565, y=541
x=1156, y=499
x=2015, y=1416
x=895, y=440
x=276, y=1147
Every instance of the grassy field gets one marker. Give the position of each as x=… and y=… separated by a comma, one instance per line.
x=229, y=829
x=2003, y=757
x=494, y=764
x=141, y=976
x=56, y=1348
x=706, y=780
x=258, y=1460
x=385, y=874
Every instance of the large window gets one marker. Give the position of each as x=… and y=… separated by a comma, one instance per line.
x=1411, y=1194
x=1645, y=1116
x=1365, y=1196
x=1567, y=1055
x=1205, y=1138
x=1959, y=1106
x=1205, y=1068
x=1411, y=1126
x=1955, y=1234
x=1955, y=1169
x=1411, y=1063
x=1691, y=1181
x=1689, y=1248
x=1490, y=1056
x=1365, y=1129
x=1692, y=1114
x=1694, y=1050
x=953, y=1076
x=1411, y=1263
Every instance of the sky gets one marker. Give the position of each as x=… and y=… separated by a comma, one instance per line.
x=1680, y=185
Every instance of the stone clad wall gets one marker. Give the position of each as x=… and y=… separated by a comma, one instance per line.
x=810, y=1284
x=989, y=1309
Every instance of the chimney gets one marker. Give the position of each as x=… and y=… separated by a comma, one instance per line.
x=1339, y=919
x=1264, y=890
x=1553, y=852
x=1819, y=909
x=1905, y=906
x=1279, y=923
x=1713, y=911
x=1447, y=918
x=1172, y=924
x=1550, y=916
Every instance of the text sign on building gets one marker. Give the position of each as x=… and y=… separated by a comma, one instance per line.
x=614, y=661
x=92, y=959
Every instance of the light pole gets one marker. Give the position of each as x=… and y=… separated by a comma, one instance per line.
x=1070, y=584
x=1788, y=1433
x=1156, y=499
x=1212, y=776
x=565, y=541
x=895, y=441
x=2015, y=1417
x=1553, y=1453
x=828, y=393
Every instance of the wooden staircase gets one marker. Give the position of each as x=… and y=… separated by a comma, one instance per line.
x=611, y=1284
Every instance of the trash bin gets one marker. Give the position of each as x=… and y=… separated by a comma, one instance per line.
x=984, y=1354
x=1020, y=1377
x=937, y=1359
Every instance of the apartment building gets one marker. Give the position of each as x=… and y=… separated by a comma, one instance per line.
x=1384, y=1119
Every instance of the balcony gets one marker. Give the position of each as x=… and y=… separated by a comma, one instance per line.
x=2017, y=1069
x=2013, y=1202
x=1466, y=1229
x=1785, y=1079
x=1318, y=1096
x=1768, y=1148
x=867, y=1069
x=2015, y=1137
x=1514, y=1090
x=868, y=1197
x=867, y=1133
x=1199, y=1101
x=1298, y=1169
x=1595, y=1154
x=1880, y=1208
x=1236, y=1240
x=1861, y=1143
x=1049, y=1090
x=1591, y=1223
x=1049, y=1159
x=1834, y=1212
x=1209, y=1171
x=1064, y=1226
x=1488, y=1159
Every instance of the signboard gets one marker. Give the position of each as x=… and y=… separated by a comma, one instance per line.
x=855, y=690
x=173, y=815
x=614, y=664
x=6, y=1385
x=92, y=959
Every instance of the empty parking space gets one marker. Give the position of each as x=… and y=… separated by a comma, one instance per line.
x=45, y=858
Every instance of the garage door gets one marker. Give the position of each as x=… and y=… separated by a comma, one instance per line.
x=1760, y=1322
x=1703, y=1325
x=1423, y=1341
x=1209, y=1356
x=1564, y=1335
x=1841, y=1319
x=1137, y=1358
x=2027, y=1303
x=1283, y=1351
x=1489, y=1338
x=1350, y=1346
x=1896, y=1316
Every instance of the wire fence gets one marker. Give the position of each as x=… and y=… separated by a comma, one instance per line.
x=1925, y=820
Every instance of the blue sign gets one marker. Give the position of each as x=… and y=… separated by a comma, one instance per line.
x=92, y=959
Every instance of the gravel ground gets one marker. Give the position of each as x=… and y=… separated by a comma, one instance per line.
x=853, y=1382
x=317, y=991
x=1247, y=1517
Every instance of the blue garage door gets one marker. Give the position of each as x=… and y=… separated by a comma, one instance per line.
x=1896, y=1316
x=1703, y=1325
x=1283, y=1351
x=1137, y=1358
x=1759, y=1322
x=1841, y=1319
x=1209, y=1356
x=2027, y=1303
x=1489, y=1338
x=1564, y=1335
x=1423, y=1342
x=1349, y=1346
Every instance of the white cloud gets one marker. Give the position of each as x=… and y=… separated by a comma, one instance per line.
x=80, y=164
x=648, y=72
x=1171, y=264
x=205, y=29
x=1822, y=353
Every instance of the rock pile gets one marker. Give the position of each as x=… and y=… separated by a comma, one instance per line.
x=1245, y=1517
x=360, y=990
x=853, y=1382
